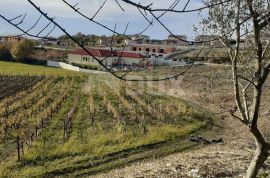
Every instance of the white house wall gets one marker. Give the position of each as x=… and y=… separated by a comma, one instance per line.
x=88, y=60
x=81, y=59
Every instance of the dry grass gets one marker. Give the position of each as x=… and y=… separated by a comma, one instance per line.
x=208, y=86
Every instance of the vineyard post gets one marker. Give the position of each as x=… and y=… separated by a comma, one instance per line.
x=22, y=149
x=36, y=131
x=7, y=112
x=18, y=148
x=42, y=123
x=65, y=130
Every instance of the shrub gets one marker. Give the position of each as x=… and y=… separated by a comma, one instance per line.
x=4, y=53
x=22, y=50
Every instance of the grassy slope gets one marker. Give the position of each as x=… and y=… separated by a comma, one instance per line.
x=13, y=68
x=90, y=150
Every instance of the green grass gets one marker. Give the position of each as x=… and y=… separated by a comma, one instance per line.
x=14, y=68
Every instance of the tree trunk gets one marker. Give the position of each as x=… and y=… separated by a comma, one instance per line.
x=261, y=155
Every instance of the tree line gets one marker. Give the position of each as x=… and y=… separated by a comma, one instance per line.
x=19, y=51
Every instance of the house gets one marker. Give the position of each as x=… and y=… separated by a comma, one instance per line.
x=115, y=41
x=11, y=39
x=66, y=43
x=265, y=37
x=49, y=42
x=159, y=49
x=138, y=39
x=109, y=58
x=103, y=41
x=177, y=40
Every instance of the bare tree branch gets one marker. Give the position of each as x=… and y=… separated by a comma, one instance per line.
x=147, y=8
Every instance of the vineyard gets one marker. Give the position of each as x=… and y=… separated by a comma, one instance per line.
x=79, y=126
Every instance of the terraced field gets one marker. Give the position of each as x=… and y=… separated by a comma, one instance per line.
x=80, y=126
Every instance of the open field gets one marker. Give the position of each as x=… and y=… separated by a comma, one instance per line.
x=12, y=68
x=78, y=126
x=87, y=125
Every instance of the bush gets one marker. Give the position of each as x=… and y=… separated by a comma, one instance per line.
x=84, y=66
x=4, y=53
x=22, y=50
x=218, y=60
x=35, y=62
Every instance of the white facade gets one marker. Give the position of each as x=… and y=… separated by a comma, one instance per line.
x=110, y=61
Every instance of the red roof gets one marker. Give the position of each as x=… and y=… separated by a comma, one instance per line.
x=95, y=52
x=107, y=53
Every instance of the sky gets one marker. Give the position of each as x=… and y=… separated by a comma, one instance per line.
x=110, y=15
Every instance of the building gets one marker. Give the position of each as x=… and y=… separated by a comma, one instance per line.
x=138, y=39
x=66, y=43
x=11, y=39
x=152, y=48
x=265, y=38
x=114, y=41
x=49, y=42
x=209, y=40
x=159, y=47
x=109, y=58
x=177, y=40
x=103, y=41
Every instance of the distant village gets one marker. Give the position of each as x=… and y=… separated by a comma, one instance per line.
x=133, y=51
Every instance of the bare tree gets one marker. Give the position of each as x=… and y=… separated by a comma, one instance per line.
x=250, y=64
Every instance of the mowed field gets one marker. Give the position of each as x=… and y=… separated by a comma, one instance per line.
x=12, y=68
x=76, y=126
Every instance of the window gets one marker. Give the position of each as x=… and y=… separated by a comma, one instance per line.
x=154, y=50
x=147, y=49
x=161, y=51
x=134, y=49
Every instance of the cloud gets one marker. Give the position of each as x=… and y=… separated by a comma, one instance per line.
x=109, y=15
x=89, y=7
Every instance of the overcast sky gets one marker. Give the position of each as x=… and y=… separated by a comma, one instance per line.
x=110, y=15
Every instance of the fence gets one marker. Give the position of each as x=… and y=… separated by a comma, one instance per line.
x=62, y=65
x=71, y=67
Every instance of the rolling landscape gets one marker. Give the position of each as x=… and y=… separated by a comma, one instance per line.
x=56, y=124
x=129, y=89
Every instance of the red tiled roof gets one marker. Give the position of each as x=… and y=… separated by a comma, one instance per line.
x=106, y=53
x=95, y=52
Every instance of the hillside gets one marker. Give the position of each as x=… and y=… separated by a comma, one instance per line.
x=77, y=126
